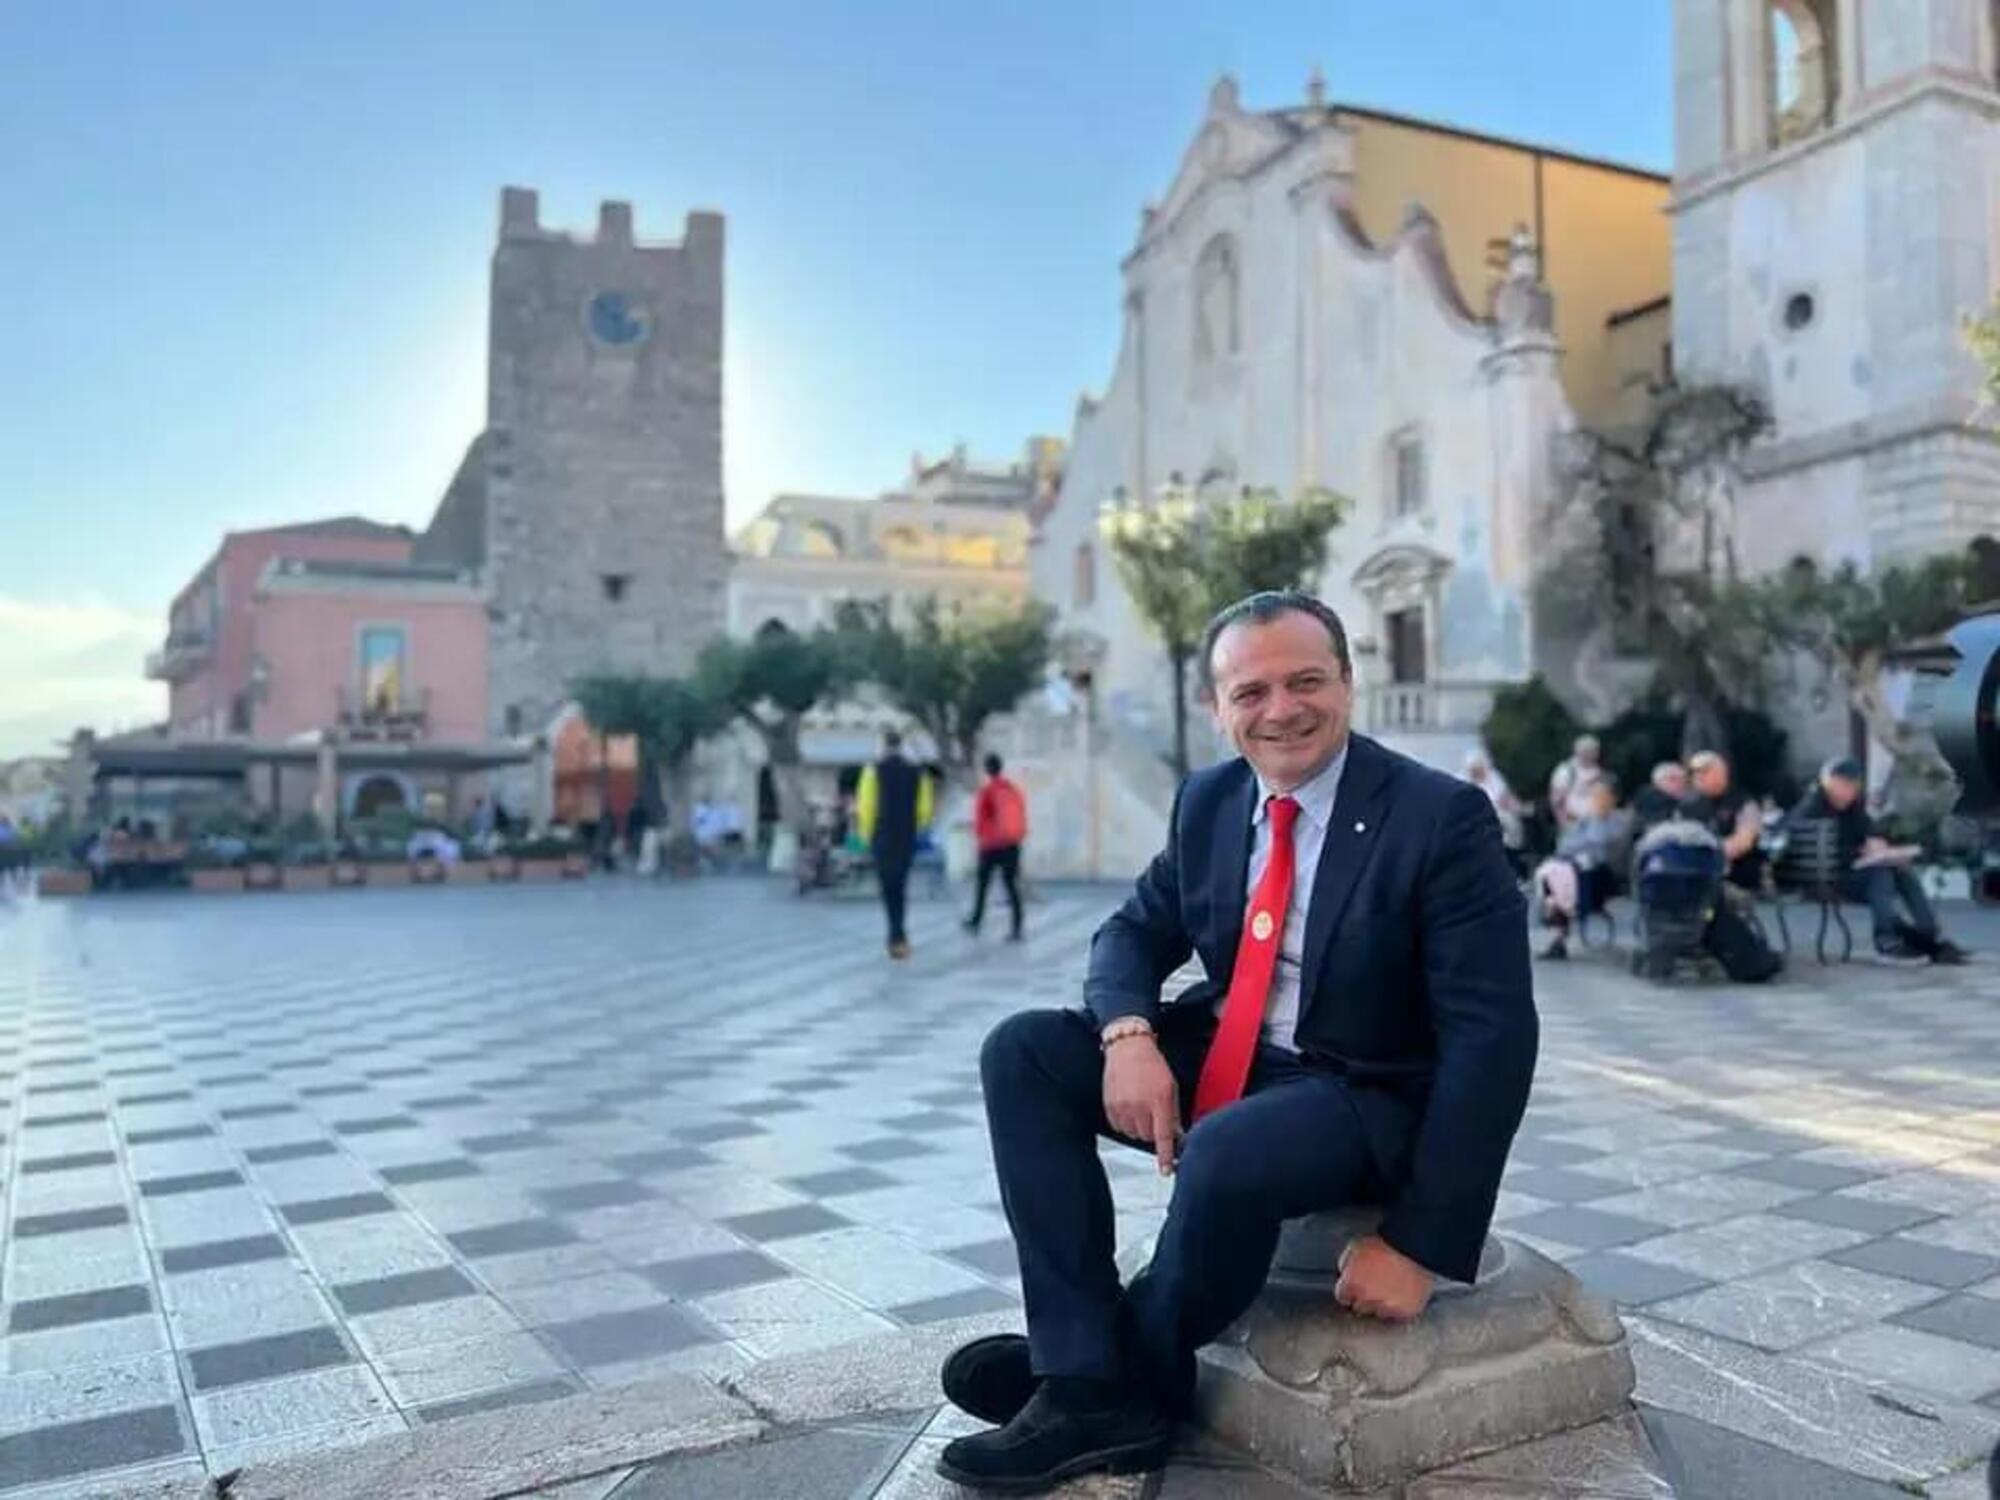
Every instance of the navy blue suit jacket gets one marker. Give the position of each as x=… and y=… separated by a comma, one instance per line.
x=1415, y=983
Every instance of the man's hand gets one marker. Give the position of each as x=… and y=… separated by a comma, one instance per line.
x=1874, y=844
x=1382, y=1282
x=1140, y=1097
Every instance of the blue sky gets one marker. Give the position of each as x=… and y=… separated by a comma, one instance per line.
x=243, y=266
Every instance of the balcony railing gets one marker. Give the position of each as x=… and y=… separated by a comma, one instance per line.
x=185, y=653
x=407, y=716
x=1426, y=707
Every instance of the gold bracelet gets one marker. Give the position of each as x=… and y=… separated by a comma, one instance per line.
x=1123, y=1027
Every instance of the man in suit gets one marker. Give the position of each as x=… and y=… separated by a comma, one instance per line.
x=892, y=804
x=1365, y=1033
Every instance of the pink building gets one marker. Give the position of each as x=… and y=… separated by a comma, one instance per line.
x=207, y=660
x=329, y=630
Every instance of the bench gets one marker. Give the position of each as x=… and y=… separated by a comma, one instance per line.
x=1806, y=863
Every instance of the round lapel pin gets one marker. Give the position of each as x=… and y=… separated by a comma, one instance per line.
x=1360, y=827
x=1261, y=926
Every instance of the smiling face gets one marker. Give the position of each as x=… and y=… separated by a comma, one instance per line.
x=1282, y=696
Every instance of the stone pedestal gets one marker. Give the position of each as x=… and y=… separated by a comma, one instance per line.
x=1305, y=1386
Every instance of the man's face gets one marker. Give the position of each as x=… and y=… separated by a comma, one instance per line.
x=1712, y=780
x=1841, y=792
x=1281, y=697
x=1674, y=783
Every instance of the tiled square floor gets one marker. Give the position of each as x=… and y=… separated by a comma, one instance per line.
x=291, y=1181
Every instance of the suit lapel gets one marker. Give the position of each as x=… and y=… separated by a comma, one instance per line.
x=1350, y=836
x=1230, y=874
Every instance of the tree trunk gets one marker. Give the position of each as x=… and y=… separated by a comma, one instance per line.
x=1179, y=661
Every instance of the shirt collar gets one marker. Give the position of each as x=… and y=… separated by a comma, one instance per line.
x=1315, y=798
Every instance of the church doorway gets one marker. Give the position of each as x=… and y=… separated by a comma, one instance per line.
x=1405, y=631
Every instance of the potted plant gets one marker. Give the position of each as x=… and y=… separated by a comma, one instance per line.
x=307, y=867
x=545, y=856
x=386, y=864
x=215, y=864
x=260, y=865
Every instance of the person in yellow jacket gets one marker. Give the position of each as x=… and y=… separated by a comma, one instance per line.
x=893, y=803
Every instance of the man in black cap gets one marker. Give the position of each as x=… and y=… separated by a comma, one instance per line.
x=1884, y=884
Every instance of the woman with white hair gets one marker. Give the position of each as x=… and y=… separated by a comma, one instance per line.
x=1482, y=773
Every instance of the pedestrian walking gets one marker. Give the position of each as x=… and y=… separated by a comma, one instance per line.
x=892, y=804
x=999, y=827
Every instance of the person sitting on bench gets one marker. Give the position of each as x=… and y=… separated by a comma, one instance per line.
x=1889, y=887
x=1365, y=1033
x=1583, y=874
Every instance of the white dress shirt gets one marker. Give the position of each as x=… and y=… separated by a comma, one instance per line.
x=1315, y=800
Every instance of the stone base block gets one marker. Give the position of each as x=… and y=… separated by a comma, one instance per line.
x=1305, y=1386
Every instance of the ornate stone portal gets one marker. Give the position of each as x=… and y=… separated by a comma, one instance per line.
x=1305, y=1386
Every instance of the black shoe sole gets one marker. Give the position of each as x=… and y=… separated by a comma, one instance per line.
x=1131, y=1458
x=956, y=1377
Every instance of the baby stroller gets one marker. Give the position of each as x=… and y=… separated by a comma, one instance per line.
x=1678, y=880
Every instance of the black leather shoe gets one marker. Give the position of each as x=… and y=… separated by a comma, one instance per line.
x=989, y=1378
x=1044, y=1445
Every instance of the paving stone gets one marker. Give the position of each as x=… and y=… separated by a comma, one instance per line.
x=810, y=1466
x=1782, y=1309
x=346, y=1206
x=782, y=1223
x=265, y=1358
x=984, y=1299
x=406, y=1290
x=213, y=1253
x=587, y=1195
x=78, y=1307
x=89, y=1446
x=1928, y=1362
x=701, y=1274
x=103, y=1217
x=1632, y=1282
x=1965, y=1317
x=1855, y=1213
x=606, y=1338
x=521, y=1234
x=529, y=1393
x=1915, y=1261
x=1806, y=1174
x=1584, y=1228
x=430, y=1171
x=190, y=1182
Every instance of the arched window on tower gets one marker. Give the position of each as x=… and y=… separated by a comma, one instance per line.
x=1805, y=53
x=1218, y=330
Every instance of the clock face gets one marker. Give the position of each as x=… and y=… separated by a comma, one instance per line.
x=616, y=319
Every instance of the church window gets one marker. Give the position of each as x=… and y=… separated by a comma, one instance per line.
x=614, y=585
x=1804, y=58
x=1409, y=476
x=513, y=720
x=1083, y=587
x=1218, y=331
x=820, y=539
x=1799, y=310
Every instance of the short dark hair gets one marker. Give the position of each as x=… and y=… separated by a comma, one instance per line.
x=1844, y=767
x=892, y=740
x=993, y=764
x=1262, y=609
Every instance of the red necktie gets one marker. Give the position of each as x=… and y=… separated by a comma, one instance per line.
x=1227, y=1067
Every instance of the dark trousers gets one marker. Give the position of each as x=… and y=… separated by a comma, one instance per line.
x=892, y=872
x=1293, y=1145
x=1008, y=862
x=1882, y=887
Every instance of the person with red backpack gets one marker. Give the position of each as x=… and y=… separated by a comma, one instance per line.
x=999, y=826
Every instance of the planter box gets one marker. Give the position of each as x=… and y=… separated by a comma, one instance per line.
x=575, y=866
x=307, y=877
x=260, y=877
x=504, y=867
x=541, y=869
x=427, y=872
x=348, y=872
x=215, y=879
x=468, y=872
x=389, y=874
x=63, y=882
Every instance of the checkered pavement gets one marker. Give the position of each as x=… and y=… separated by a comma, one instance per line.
x=287, y=1172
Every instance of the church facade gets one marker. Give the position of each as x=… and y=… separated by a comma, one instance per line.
x=1407, y=315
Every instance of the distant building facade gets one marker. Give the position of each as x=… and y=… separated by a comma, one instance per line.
x=1835, y=219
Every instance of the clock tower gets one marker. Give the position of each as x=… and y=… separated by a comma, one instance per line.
x=601, y=465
